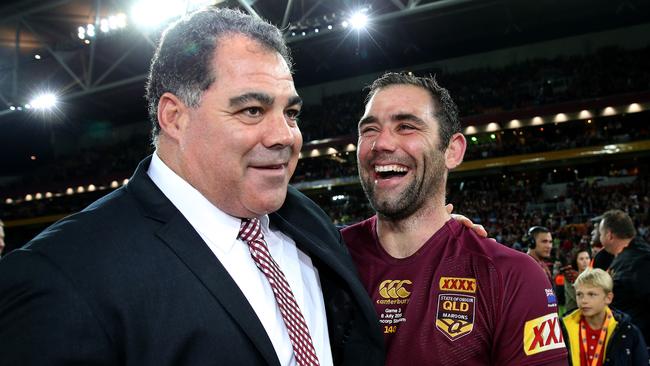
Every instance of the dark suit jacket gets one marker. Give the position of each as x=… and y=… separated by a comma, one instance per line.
x=128, y=281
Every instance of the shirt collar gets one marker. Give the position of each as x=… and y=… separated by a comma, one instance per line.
x=215, y=226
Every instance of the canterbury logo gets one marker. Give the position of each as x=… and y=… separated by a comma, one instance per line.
x=458, y=284
x=394, y=289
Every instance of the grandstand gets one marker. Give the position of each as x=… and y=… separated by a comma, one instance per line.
x=554, y=98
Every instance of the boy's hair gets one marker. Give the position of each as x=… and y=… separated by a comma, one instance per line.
x=596, y=278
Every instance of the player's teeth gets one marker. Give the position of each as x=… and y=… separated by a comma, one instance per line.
x=390, y=168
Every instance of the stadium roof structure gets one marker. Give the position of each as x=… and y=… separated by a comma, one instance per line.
x=101, y=76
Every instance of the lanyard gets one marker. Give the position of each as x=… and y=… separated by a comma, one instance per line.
x=601, y=338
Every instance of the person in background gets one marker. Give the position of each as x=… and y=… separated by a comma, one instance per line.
x=599, y=258
x=2, y=237
x=444, y=295
x=540, y=245
x=597, y=334
x=630, y=268
x=578, y=265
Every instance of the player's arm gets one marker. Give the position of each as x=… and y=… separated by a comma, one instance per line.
x=528, y=328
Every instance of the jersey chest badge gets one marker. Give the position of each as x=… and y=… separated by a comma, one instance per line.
x=455, y=312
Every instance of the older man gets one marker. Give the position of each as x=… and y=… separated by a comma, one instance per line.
x=630, y=268
x=205, y=257
x=444, y=296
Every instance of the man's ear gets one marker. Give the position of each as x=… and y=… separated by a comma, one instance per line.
x=172, y=115
x=455, y=150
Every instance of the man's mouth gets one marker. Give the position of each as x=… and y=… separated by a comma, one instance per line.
x=390, y=171
x=270, y=166
x=275, y=166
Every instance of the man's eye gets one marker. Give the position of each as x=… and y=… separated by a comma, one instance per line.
x=253, y=111
x=406, y=127
x=367, y=130
x=293, y=113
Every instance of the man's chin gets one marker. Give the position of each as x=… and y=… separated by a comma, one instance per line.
x=395, y=210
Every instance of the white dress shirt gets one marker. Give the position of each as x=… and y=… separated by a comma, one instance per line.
x=219, y=231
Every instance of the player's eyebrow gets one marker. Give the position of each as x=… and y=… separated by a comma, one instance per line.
x=367, y=120
x=402, y=116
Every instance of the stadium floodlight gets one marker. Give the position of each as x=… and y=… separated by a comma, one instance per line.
x=104, y=26
x=152, y=13
x=44, y=101
x=359, y=20
x=113, y=22
x=90, y=30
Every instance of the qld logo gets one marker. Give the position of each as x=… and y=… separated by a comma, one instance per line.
x=455, y=315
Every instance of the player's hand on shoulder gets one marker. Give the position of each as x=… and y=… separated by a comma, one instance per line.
x=477, y=228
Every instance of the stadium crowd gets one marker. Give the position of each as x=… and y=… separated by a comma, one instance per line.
x=519, y=86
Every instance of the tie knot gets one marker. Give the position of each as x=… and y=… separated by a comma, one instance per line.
x=250, y=230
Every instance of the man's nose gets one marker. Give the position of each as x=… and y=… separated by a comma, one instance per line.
x=278, y=132
x=384, y=141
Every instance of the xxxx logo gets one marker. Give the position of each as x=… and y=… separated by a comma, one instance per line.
x=542, y=334
x=458, y=284
x=394, y=289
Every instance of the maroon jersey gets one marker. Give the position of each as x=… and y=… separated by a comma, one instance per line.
x=459, y=300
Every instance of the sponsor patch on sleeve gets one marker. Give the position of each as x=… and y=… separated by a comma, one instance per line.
x=551, y=300
x=542, y=334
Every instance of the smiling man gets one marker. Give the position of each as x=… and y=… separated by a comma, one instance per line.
x=205, y=257
x=444, y=295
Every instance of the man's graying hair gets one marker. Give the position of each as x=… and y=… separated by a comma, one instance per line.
x=181, y=63
x=446, y=110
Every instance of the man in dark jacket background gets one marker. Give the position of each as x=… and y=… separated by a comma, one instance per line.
x=630, y=269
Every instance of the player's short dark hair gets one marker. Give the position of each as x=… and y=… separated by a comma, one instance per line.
x=536, y=230
x=181, y=63
x=446, y=110
x=619, y=223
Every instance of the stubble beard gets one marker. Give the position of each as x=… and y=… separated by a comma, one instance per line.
x=412, y=198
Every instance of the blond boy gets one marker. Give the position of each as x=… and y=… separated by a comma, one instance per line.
x=596, y=334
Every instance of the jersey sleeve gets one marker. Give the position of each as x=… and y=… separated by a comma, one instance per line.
x=528, y=329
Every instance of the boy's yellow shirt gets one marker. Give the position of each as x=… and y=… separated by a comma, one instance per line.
x=572, y=325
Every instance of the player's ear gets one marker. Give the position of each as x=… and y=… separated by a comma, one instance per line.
x=455, y=150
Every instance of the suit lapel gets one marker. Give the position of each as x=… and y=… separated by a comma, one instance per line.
x=182, y=239
x=340, y=264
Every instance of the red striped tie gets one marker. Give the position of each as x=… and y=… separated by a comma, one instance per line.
x=303, y=348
